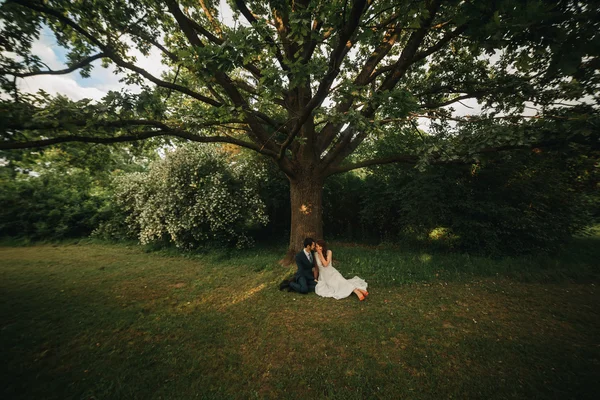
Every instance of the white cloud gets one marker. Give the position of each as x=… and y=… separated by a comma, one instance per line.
x=44, y=51
x=60, y=84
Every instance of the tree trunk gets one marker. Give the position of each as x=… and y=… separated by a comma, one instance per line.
x=306, y=195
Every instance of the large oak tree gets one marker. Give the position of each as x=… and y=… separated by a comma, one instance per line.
x=305, y=83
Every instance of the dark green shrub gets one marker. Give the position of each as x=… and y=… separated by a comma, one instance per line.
x=50, y=206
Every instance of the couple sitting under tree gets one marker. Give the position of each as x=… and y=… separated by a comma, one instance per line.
x=317, y=274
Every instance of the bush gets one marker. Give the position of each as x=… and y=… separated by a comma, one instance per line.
x=50, y=206
x=195, y=195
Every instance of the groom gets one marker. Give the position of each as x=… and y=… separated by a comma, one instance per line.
x=304, y=280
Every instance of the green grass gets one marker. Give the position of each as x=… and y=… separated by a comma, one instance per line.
x=87, y=320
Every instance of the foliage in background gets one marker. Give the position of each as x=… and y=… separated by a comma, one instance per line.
x=193, y=196
x=342, y=196
x=274, y=191
x=63, y=191
x=519, y=203
x=50, y=206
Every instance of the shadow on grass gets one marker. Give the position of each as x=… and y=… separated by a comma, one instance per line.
x=85, y=342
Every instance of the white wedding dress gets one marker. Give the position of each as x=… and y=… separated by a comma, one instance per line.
x=331, y=283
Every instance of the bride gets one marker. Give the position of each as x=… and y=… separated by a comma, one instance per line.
x=330, y=282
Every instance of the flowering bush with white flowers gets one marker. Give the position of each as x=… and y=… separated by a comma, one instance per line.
x=196, y=194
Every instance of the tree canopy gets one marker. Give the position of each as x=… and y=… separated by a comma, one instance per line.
x=287, y=73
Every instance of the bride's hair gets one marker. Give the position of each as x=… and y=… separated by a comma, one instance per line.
x=323, y=244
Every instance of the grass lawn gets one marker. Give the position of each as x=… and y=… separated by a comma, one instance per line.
x=101, y=321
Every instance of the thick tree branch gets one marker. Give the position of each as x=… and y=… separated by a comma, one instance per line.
x=388, y=20
x=209, y=15
x=59, y=16
x=343, y=46
x=174, y=58
x=281, y=23
x=363, y=78
x=441, y=43
x=337, y=55
x=422, y=54
x=158, y=82
x=131, y=138
x=204, y=32
x=162, y=130
x=77, y=65
x=311, y=45
x=119, y=123
x=255, y=71
x=381, y=70
x=245, y=86
x=10, y=145
x=349, y=142
x=258, y=133
x=401, y=158
x=268, y=39
x=453, y=100
x=409, y=51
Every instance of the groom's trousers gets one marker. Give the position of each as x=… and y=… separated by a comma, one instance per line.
x=303, y=285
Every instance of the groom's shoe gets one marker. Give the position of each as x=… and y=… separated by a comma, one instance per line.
x=285, y=284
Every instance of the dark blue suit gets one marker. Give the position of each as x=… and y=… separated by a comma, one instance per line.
x=304, y=279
